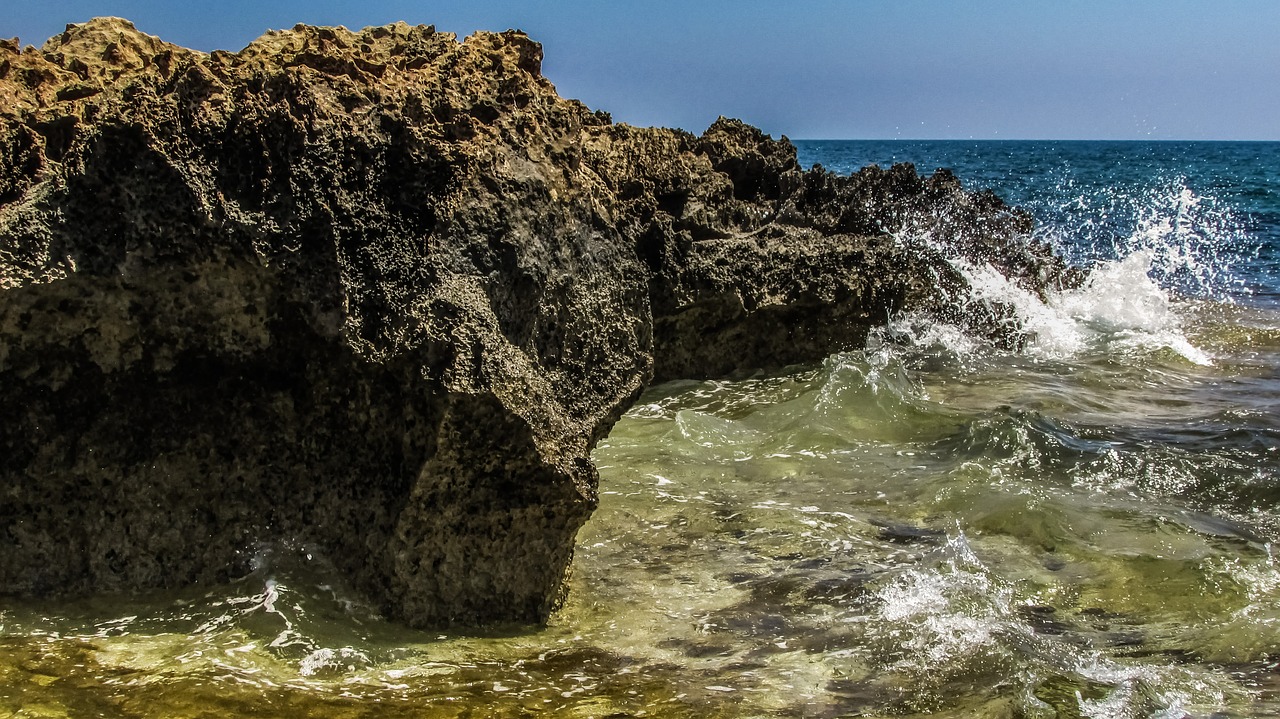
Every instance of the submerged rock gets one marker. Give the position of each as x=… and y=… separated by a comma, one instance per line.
x=382, y=293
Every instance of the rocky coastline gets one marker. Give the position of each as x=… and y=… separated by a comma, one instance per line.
x=381, y=292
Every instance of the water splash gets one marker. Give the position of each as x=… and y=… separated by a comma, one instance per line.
x=941, y=620
x=951, y=620
x=1119, y=310
x=1122, y=308
x=1197, y=244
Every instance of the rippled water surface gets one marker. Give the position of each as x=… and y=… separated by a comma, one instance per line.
x=922, y=527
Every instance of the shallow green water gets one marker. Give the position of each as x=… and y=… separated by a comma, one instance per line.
x=926, y=527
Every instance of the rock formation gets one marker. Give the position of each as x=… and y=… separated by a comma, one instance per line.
x=382, y=292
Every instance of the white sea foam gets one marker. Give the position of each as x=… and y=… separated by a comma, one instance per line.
x=943, y=618
x=326, y=660
x=952, y=617
x=1144, y=247
x=1121, y=308
x=1196, y=241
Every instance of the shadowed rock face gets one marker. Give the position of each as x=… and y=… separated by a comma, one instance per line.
x=382, y=292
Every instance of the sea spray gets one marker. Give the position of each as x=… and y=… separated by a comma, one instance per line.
x=1197, y=243
x=1120, y=307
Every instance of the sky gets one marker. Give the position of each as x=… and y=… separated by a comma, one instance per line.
x=828, y=69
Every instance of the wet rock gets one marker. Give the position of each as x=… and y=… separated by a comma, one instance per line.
x=837, y=591
x=1043, y=619
x=383, y=291
x=697, y=650
x=900, y=533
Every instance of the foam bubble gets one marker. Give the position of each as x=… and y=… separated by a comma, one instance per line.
x=328, y=661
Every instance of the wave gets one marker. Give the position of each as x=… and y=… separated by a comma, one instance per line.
x=1199, y=245
x=950, y=620
x=1179, y=245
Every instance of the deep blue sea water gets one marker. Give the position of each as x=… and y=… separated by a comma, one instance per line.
x=926, y=526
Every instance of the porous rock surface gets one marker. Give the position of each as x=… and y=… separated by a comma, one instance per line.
x=381, y=293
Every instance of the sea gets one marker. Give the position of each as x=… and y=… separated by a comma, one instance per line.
x=925, y=526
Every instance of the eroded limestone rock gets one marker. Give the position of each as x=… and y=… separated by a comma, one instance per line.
x=382, y=292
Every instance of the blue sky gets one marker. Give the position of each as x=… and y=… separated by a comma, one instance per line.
x=1035, y=69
